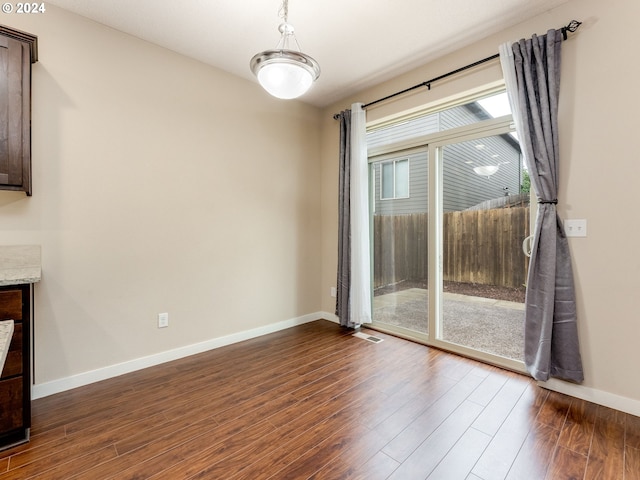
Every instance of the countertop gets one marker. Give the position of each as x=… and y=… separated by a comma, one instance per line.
x=6, y=333
x=19, y=264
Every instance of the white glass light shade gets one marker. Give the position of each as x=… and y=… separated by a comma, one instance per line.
x=285, y=74
x=284, y=80
x=486, y=170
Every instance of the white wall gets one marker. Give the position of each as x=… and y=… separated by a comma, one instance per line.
x=599, y=171
x=160, y=185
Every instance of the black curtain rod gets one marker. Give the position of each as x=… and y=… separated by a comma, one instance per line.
x=571, y=27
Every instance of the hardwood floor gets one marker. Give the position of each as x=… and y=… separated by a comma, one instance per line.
x=314, y=402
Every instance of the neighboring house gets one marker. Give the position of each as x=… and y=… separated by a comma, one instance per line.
x=401, y=182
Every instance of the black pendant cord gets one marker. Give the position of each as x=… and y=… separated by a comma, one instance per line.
x=571, y=27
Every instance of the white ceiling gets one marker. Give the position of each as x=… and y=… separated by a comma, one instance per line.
x=358, y=43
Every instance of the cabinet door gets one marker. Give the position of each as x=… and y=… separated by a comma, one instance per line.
x=11, y=404
x=15, y=93
x=11, y=303
x=11, y=306
x=15, y=379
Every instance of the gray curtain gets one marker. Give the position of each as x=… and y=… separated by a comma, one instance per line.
x=551, y=334
x=344, y=218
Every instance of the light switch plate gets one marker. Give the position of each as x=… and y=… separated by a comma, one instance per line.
x=163, y=320
x=575, y=227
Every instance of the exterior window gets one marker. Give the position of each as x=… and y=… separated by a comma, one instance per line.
x=395, y=179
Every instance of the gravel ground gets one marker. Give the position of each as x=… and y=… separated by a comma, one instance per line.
x=477, y=290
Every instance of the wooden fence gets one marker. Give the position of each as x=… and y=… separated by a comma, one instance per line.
x=481, y=246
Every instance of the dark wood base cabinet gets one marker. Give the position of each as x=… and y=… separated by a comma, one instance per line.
x=15, y=381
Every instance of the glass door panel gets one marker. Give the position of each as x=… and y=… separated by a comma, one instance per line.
x=400, y=236
x=484, y=220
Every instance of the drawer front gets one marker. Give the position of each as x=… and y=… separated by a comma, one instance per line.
x=11, y=415
x=13, y=364
x=11, y=305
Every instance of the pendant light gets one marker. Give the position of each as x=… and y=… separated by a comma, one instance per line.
x=285, y=72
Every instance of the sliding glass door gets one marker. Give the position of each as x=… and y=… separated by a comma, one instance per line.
x=448, y=221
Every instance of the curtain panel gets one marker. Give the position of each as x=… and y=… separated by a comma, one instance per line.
x=353, y=292
x=344, y=221
x=532, y=74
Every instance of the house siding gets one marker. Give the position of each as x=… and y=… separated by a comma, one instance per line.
x=463, y=188
x=404, y=131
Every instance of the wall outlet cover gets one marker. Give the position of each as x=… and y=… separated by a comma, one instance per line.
x=575, y=227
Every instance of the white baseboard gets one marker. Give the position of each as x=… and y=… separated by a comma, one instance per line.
x=607, y=399
x=56, y=386
x=330, y=316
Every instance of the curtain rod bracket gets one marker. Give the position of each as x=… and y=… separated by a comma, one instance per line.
x=571, y=27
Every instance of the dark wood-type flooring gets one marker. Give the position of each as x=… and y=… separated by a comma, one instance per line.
x=314, y=402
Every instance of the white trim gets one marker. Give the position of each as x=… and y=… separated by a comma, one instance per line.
x=601, y=397
x=330, y=316
x=86, y=378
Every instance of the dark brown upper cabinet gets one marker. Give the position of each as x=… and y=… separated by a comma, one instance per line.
x=18, y=50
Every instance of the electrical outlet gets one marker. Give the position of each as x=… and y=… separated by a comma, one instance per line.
x=333, y=292
x=575, y=228
x=163, y=320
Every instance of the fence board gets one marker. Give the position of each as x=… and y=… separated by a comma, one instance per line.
x=479, y=246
